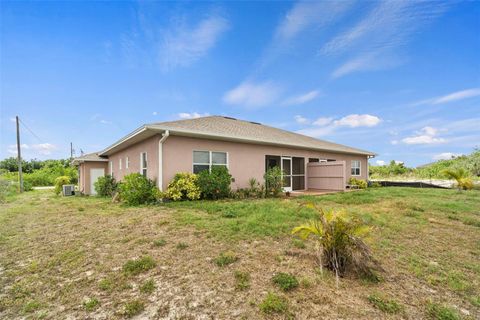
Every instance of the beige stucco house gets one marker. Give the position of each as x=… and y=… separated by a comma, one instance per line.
x=160, y=150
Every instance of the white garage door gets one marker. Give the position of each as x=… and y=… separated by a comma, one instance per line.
x=94, y=175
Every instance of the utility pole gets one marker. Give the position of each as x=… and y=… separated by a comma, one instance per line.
x=19, y=154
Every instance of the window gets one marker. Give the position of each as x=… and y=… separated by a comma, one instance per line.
x=127, y=162
x=355, y=167
x=204, y=160
x=143, y=164
x=111, y=168
x=313, y=160
x=120, y=164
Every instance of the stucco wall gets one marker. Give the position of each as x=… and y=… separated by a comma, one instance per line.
x=150, y=146
x=84, y=168
x=245, y=160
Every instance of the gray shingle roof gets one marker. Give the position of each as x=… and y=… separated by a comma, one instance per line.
x=88, y=157
x=228, y=128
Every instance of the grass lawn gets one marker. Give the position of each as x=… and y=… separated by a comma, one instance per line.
x=85, y=257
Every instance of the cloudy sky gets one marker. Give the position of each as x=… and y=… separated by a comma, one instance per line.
x=401, y=79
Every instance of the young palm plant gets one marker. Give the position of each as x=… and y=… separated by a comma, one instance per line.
x=461, y=176
x=339, y=243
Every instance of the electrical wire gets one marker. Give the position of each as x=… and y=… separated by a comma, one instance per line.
x=31, y=131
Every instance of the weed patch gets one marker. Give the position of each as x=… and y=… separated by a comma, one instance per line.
x=385, y=305
x=285, y=281
x=134, y=267
x=91, y=304
x=438, y=312
x=159, y=243
x=182, y=246
x=273, y=303
x=148, y=286
x=225, y=258
x=242, y=280
x=133, y=308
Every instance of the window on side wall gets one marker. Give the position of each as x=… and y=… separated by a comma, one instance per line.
x=127, y=162
x=204, y=160
x=143, y=164
x=355, y=168
x=120, y=164
x=111, y=168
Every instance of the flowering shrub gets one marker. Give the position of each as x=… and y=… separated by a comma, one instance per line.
x=183, y=186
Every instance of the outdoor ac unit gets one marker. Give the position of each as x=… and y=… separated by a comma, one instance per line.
x=68, y=190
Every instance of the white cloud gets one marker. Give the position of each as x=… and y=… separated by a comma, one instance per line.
x=301, y=120
x=307, y=14
x=394, y=142
x=380, y=163
x=103, y=121
x=183, y=45
x=455, y=96
x=41, y=148
x=301, y=99
x=358, y=120
x=192, y=115
x=154, y=113
x=446, y=156
x=252, y=94
x=426, y=135
x=323, y=121
x=375, y=40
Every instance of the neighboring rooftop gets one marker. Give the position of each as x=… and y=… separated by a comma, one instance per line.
x=231, y=129
x=88, y=157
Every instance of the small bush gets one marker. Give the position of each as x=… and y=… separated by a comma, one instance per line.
x=7, y=188
x=273, y=182
x=215, y=184
x=136, y=189
x=285, y=281
x=242, y=280
x=159, y=243
x=385, y=305
x=273, y=304
x=91, y=304
x=27, y=186
x=148, y=286
x=133, y=308
x=59, y=182
x=106, y=285
x=134, y=267
x=361, y=184
x=340, y=242
x=225, y=258
x=105, y=186
x=183, y=187
x=464, y=182
x=439, y=312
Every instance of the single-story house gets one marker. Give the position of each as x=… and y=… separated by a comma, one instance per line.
x=248, y=149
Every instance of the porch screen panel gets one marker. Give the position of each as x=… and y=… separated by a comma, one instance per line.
x=298, y=173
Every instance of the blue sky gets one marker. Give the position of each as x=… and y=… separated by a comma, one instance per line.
x=401, y=79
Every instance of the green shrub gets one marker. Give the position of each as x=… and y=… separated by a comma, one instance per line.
x=136, y=189
x=27, y=186
x=273, y=304
x=285, y=281
x=340, y=242
x=362, y=184
x=134, y=267
x=273, y=182
x=183, y=187
x=7, y=188
x=215, y=184
x=225, y=258
x=59, y=182
x=105, y=186
x=242, y=280
x=464, y=182
x=385, y=305
x=439, y=312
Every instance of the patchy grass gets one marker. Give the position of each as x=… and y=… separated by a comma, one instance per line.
x=273, y=303
x=441, y=312
x=385, y=305
x=134, y=267
x=242, y=280
x=285, y=281
x=91, y=304
x=225, y=258
x=53, y=256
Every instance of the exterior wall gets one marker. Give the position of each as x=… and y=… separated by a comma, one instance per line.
x=245, y=161
x=84, y=174
x=150, y=146
x=326, y=175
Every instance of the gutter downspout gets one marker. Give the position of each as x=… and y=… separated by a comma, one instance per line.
x=164, y=137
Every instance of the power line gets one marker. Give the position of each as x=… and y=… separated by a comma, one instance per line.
x=31, y=131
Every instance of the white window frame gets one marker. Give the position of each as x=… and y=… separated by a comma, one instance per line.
x=359, y=167
x=111, y=168
x=120, y=164
x=210, y=164
x=127, y=162
x=141, y=163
